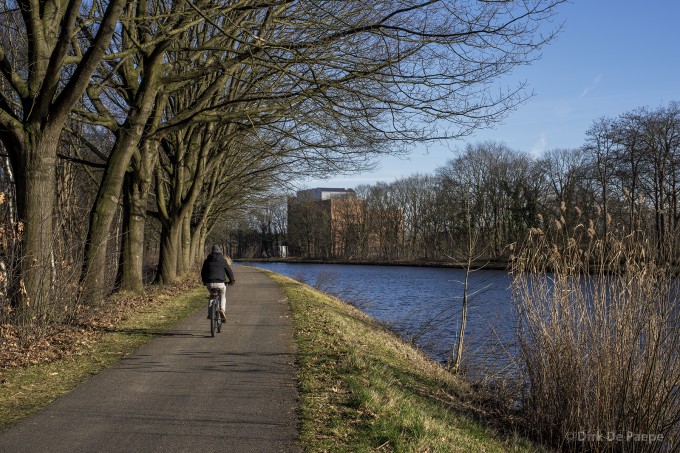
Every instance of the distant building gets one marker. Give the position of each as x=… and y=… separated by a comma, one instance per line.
x=325, y=193
x=313, y=221
x=329, y=223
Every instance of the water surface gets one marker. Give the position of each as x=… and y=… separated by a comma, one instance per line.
x=423, y=304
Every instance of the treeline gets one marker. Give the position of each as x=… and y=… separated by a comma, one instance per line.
x=129, y=130
x=485, y=201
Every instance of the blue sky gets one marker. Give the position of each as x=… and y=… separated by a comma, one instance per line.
x=612, y=56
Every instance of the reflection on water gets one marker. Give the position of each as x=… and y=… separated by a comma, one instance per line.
x=423, y=304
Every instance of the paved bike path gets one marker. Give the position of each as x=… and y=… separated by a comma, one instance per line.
x=186, y=391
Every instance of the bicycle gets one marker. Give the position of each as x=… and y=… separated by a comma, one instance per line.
x=214, y=311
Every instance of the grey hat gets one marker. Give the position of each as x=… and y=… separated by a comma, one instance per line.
x=216, y=249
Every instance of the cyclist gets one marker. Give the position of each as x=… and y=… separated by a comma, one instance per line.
x=214, y=274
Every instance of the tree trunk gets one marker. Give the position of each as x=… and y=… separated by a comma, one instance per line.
x=170, y=252
x=46, y=92
x=35, y=189
x=198, y=243
x=108, y=198
x=458, y=355
x=472, y=239
x=131, y=266
x=185, y=262
x=137, y=184
x=127, y=142
x=101, y=219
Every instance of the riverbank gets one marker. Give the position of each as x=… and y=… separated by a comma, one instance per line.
x=364, y=389
x=490, y=265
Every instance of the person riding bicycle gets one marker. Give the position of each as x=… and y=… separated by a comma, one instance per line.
x=214, y=274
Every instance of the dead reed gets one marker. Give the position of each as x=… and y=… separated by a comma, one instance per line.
x=599, y=336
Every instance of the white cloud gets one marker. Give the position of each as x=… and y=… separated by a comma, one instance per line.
x=592, y=86
x=539, y=147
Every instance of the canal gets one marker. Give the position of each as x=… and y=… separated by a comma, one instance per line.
x=423, y=305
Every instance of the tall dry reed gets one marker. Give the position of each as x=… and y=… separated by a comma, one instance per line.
x=599, y=336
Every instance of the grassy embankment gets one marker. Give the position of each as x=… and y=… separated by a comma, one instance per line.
x=362, y=388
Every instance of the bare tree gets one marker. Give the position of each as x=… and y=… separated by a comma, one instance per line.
x=661, y=137
x=467, y=258
x=631, y=164
x=46, y=66
x=129, y=99
x=343, y=81
x=565, y=171
x=601, y=147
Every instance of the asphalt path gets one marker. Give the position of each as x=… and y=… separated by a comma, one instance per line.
x=186, y=391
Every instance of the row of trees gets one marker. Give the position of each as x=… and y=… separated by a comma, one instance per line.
x=625, y=177
x=114, y=112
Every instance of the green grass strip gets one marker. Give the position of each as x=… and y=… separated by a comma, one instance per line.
x=364, y=389
x=24, y=391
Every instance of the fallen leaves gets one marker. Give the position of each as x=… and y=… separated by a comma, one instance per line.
x=21, y=346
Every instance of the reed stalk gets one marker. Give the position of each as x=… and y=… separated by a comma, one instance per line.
x=599, y=337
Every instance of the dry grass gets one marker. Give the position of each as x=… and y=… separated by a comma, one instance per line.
x=600, y=342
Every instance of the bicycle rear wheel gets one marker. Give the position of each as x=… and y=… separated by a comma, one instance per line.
x=214, y=315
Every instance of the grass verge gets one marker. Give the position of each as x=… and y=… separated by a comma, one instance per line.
x=364, y=389
x=25, y=390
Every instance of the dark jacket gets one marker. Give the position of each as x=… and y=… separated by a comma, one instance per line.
x=216, y=270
